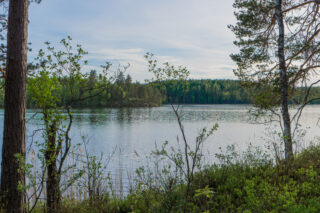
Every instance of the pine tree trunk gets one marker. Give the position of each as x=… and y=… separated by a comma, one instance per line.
x=53, y=179
x=14, y=107
x=284, y=85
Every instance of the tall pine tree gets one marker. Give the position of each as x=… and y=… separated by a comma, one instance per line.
x=279, y=51
x=15, y=107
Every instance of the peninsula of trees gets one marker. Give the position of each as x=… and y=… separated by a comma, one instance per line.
x=123, y=92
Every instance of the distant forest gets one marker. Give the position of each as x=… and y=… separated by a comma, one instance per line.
x=123, y=92
x=204, y=92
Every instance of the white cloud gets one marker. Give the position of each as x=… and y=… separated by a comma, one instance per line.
x=192, y=33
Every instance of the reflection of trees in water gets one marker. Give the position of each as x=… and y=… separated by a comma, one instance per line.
x=125, y=114
x=149, y=112
x=97, y=116
x=78, y=118
x=94, y=118
x=102, y=116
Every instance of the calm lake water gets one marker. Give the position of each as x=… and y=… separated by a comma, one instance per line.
x=135, y=131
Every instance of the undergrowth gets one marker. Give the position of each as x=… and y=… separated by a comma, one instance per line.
x=239, y=183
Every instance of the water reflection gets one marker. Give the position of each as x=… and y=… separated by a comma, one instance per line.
x=136, y=130
x=125, y=114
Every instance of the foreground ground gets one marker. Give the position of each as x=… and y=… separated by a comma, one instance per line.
x=247, y=183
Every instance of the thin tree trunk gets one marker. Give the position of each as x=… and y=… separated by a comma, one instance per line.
x=15, y=107
x=284, y=85
x=53, y=181
x=53, y=189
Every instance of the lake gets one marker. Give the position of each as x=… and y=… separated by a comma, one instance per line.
x=134, y=132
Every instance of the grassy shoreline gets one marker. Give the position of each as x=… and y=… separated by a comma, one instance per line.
x=252, y=182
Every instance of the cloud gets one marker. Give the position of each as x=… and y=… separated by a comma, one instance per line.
x=192, y=33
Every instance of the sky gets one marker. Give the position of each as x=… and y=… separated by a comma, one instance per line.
x=191, y=33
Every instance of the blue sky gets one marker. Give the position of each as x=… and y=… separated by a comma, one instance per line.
x=192, y=33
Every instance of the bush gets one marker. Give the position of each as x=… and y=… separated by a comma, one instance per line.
x=237, y=185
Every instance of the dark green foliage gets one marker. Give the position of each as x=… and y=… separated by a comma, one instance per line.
x=240, y=183
x=278, y=49
x=263, y=187
x=135, y=94
x=124, y=94
x=117, y=94
x=205, y=92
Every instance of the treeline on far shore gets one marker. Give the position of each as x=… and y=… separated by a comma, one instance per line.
x=123, y=92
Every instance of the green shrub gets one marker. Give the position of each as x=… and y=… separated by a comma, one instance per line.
x=234, y=186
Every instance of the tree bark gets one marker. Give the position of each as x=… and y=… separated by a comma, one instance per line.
x=15, y=107
x=53, y=189
x=284, y=84
x=53, y=179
